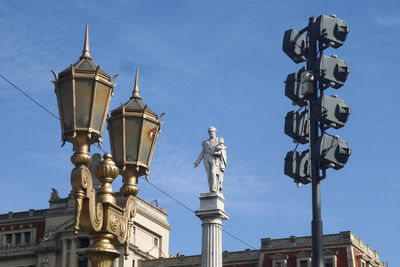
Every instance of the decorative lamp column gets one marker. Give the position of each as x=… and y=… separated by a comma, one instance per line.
x=133, y=130
x=83, y=93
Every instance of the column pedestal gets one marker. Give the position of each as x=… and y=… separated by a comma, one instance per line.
x=211, y=214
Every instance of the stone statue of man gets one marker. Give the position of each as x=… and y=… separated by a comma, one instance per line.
x=213, y=155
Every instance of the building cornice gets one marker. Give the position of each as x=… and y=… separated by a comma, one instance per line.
x=364, y=248
x=30, y=215
x=175, y=261
x=17, y=252
x=241, y=256
x=246, y=256
x=293, y=242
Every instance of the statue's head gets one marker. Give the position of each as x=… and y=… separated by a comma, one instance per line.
x=212, y=131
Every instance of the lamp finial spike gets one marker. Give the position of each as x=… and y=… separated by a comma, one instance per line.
x=136, y=87
x=86, y=52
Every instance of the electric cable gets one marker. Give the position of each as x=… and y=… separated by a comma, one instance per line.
x=161, y=190
x=191, y=210
x=40, y=105
x=31, y=98
x=168, y=195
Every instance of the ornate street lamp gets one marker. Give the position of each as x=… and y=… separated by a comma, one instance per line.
x=133, y=129
x=83, y=93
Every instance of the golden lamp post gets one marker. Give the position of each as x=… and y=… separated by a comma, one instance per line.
x=83, y=94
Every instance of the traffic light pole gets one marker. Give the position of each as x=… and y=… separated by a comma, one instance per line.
x=316, y=224
x=306, y=88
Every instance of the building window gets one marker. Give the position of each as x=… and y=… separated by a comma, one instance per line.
x=18, y=239
x=328, y=262
x=304, y=262
x=27, y=237
x=279, y=260
x=84, y=242
x=303, y=259
x=155, y=242
x=8, y=240
x=362, y=260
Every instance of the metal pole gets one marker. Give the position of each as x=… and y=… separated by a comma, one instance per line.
x=316, y=224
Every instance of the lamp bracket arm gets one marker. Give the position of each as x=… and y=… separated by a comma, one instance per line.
x=88, y=213
x=129, y=214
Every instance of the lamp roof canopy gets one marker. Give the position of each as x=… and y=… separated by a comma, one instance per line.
x=85, y=63
x=135, y=103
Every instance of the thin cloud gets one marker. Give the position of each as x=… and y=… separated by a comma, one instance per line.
x=388, y=21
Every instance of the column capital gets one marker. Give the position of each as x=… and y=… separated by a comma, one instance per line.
x=212, y=216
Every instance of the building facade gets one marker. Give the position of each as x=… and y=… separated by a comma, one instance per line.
x=46, y=238
x=340, y=250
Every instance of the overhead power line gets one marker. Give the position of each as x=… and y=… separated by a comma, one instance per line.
x=193, y=212
x=159, y=189
x=40, y=105
x=31, y=98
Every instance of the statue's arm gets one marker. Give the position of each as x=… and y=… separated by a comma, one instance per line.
x=199, y=158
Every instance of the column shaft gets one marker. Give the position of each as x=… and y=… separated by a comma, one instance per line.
x=23, y=238
x=72, y=254
x=13, y=239
x=211, y=245
x=64, y=253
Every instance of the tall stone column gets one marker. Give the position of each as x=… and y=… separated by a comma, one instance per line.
x=13, y=240
x=23, y=238
x=73, y=260
x=211, y=214
x=64, y=253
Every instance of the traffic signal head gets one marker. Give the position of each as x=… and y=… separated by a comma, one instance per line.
x=294, y=45
x=332, y=31
x=331, y=71
x=298, y=86
x=297, y=166
x=334, y=152
x=296, y=126
x=332, y=111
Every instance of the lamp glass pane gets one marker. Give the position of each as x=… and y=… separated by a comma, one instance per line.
x=84, y=93
x=148, y=135
x=132, y=133
x=99, y=105
x=116, y=140
x=65, y=89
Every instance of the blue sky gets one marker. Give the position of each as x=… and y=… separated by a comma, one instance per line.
x=210, y=63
